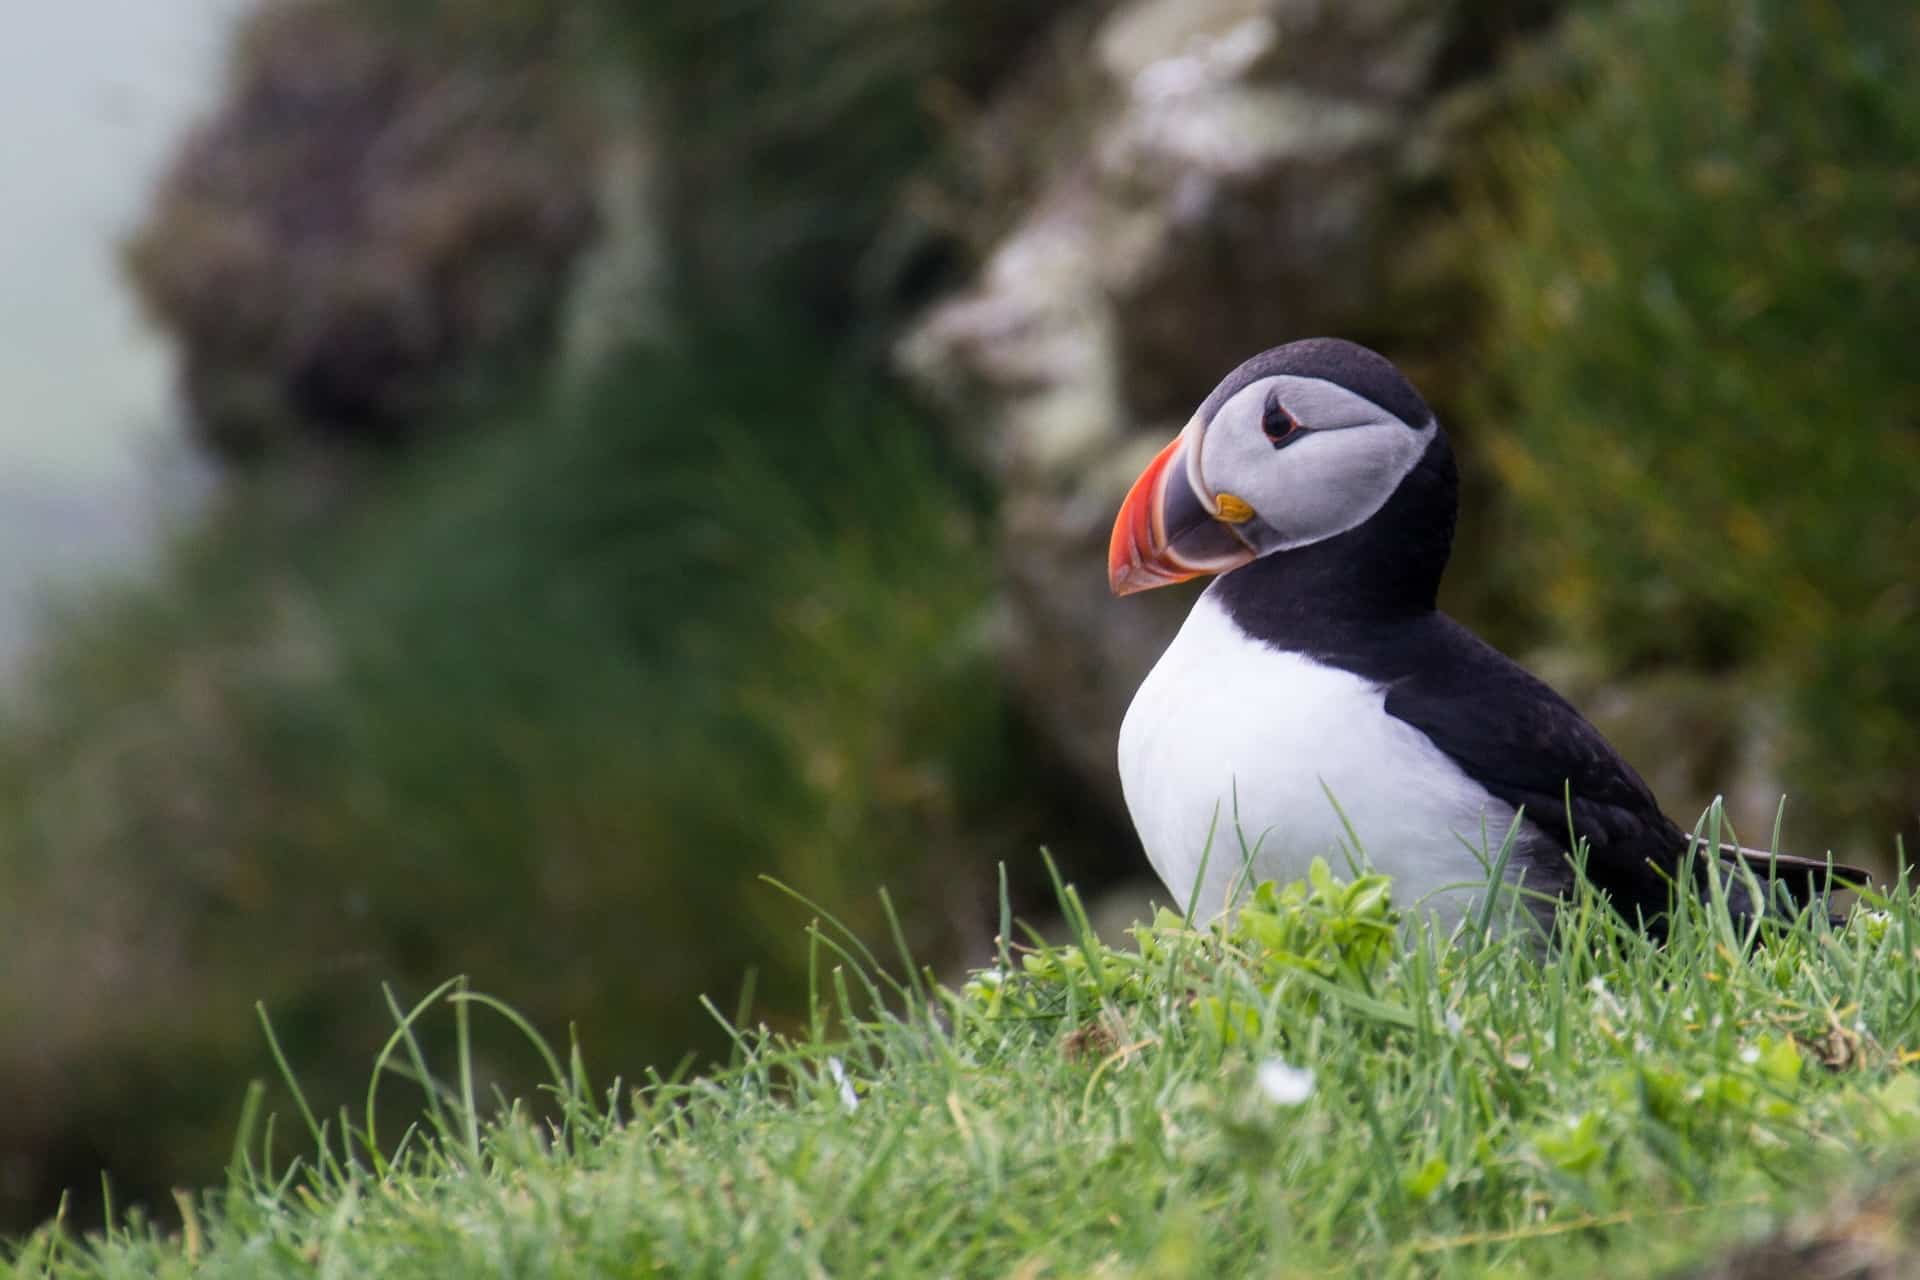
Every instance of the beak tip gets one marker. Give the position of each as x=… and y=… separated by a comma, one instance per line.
x=1129, y=572
x=1126, y=580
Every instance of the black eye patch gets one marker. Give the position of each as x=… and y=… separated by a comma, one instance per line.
x=1281, y=427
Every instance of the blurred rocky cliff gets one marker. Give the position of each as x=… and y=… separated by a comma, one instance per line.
x=1223, y=176
x=374, y=221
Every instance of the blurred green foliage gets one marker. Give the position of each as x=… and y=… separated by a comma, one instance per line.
x=1705, y=291
x=541, y=713
x=548, y=695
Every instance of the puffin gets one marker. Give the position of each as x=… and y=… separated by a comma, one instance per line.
x=1317, y=699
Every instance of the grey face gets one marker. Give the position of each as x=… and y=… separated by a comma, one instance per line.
x=1306, y=459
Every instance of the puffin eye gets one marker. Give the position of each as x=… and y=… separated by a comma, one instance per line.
x=1276, y=421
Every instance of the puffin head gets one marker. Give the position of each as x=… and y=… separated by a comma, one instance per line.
x=1298, y=445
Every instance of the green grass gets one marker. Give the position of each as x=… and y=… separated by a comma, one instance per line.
x=1475, y=1106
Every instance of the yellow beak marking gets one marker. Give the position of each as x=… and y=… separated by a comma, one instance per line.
x=1231, y=509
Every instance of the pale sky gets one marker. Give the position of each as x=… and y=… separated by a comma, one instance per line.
x=93, y=96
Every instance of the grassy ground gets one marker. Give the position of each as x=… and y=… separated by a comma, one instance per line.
x=1297, y=1094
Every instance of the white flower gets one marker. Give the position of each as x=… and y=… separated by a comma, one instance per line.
x=1285, y=1085
x=1599, y=988
x=848, y=1098
x=1750, y=1055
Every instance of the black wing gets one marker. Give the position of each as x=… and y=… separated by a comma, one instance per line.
x=1530, y=748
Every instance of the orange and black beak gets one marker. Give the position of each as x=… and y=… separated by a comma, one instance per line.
x=1167, y=532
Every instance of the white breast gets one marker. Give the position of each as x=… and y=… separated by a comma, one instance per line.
x=1224, y=718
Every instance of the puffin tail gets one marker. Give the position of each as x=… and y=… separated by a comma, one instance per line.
x=1799, y=880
